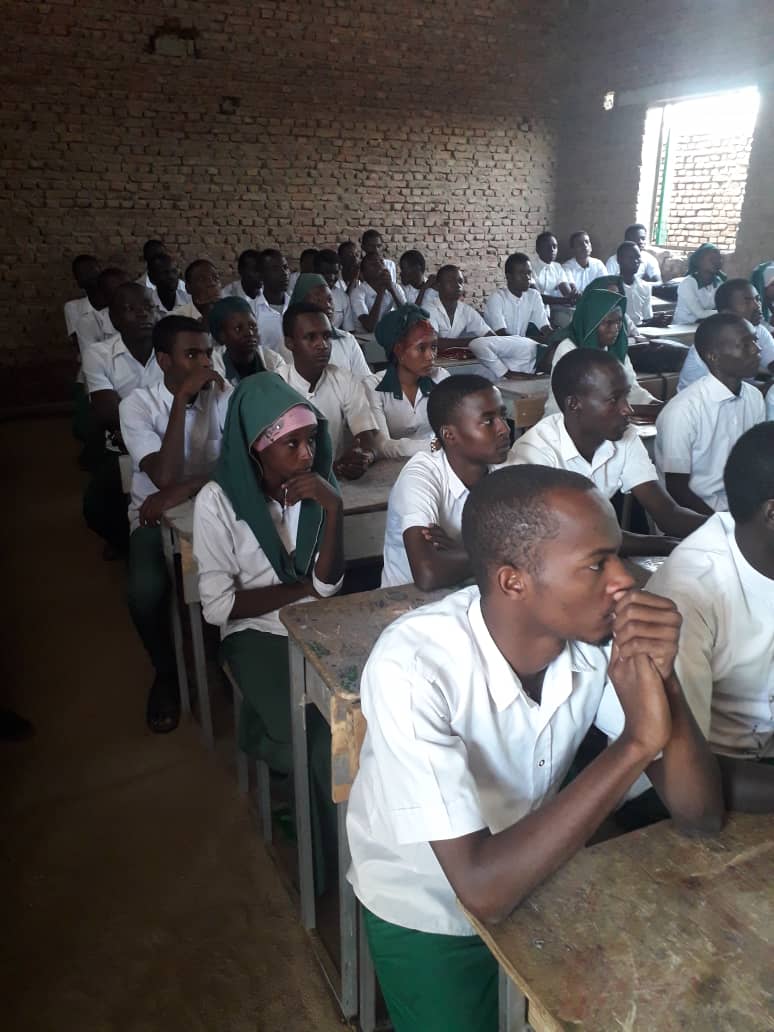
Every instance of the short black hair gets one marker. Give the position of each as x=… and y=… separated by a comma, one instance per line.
x=446, y=397
x=191, y=269
x=166, y=330
x=81, y=259
x=159, y=259
x=572, y=371
x=369, y=235
x=710, y=329
x=413, y=257
x=325, y=256
x=517, y=258
x=749, y=474
x=112, y=272
x=508, y=517
x=578, y=233
x=152, y=245
x=307, y=251
x=346, y=243
x=292, y=313
x=624, y=245
x=250, y=254
x=130, y=287
x=545, y=235
x=635, y=228
x=447, y=268
x=270, y=252
x=724, y=295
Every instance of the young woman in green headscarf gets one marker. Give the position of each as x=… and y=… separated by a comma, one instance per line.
x=598, y=322
x=345, y=350
x=238, y=352
x=399, y=393
x=763, y=280
x=696, y=293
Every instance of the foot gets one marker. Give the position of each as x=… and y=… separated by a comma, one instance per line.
x=163, y=710
x=14, y=728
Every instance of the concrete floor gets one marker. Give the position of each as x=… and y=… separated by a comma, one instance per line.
x=137, y=896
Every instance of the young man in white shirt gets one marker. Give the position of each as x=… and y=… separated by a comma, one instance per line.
x=476, y=706
x=550, y=278
x=339, y=396
x=202, y=284
x=699, y=426
x=94, y=325
x=350, y=265
x=327, y=265
x=375, y=295
x=372, y=244
x=248, y=285
x=346, y=352
x=517, y=315
x=455, y=322
x=722, y=580
x=86, y=274
x=650, y=270
x=172, y=432
x=582, y=269
x=273, y=299
x=305, y=264
x=417, y=286
x=150, y=249
x=165, y=285
x=592, y=435
x=422, y=540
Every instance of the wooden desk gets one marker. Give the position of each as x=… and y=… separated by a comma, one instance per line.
x=649, y=932
x=683, y=333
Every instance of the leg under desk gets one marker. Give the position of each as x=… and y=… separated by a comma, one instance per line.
x=347, y=920
x=167, y=541
x=200, y=673
x=512, y=1006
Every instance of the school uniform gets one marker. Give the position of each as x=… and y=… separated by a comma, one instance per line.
x=403, y=426
x=144, y=281
x=412, y=293
x=269, y=319
x=93, y=326
x=547, y=276
x=505, y=311
x=648, y=266
x=392, y=268
x=340, y=397
x=695, y=367
x=267, y=358
x=725, y=661
x=342, y=309
x=110, y=366
x=293, y=279
x=362, y=299
x=189, y=310
x=697, y=430
x=637, y=394
x=615, y=465
x=582, y=277
x=639, y=301
x=467, y=322
x=182, y=297
x=235, y=289
x=73, y=310
x=694, y=302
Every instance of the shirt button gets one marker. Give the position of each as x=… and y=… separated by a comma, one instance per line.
x=541, y=763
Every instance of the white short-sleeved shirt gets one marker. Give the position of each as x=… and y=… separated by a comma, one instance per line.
x=346, y=353
x=505, y=311
x=230, y=559
x=362, y=298
x=403, y=427
x=144, y=281
x=615, y=466
x=340, y=397
x=726, y=657
x=637, y=394
x=548, y=276
x=73, y=310
x=693, y=302
x=110, y=366
x=182, y=297
x=455, y=745
x=342, y=309
x=269, y=321
x=392, y=268
x=639, y=301
x=648, y=266
x=770, y=404
x=144, y=416
x=582, y=277
x=270, y=359
x=694, y=366
x=235, y=289
x=467, y=321
x=412, y=293
x=697, y=430
x=189, y=310
x=94, y=326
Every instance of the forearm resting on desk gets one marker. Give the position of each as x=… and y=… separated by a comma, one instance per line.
x=252, y=602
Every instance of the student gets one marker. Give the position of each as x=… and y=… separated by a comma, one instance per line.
x=273, y=299
x=372, y=244
x=305, y=264
x=598, y=322
x=699, y=426
x=202, y=283
x=350, y=265
x=649, y=270
x=582, y=269
x=592, y=435
x=85, y=269
x=375, y=295
x=476, y=706
x=550, y=278
x=172, y=432
x=238, y=352
x=417, y=286
x=639, y=296
x=150, y=249
x=422, y=541
x=722, y=580
x=113, y=369
x=517, y=309
x=165, y=285
x=346, y=353
x=335, y=392
x=455, y=322
x=327, y=265
x=248, y=286
x=94, y=324
x=399, y=394
x=739, y=297
x=762, y=279
x=696, y=293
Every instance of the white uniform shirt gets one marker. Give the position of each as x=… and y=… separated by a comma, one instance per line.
x=467, y=321
x=342, y=309
x=412, y=293
x=637, y=395
x=505, y=311
x=144, y=281
x=340, y=397
x=698, y=428
x=73, y=310
x=648, y=266
x=235, y=289
x=694, y=366
x=270, y=323
x=93, y=326
x=639, y=300
x=144, y=416
x=582, y=277
x=110, y=366
x=189, y=310
x=693, y=302
x=770, y=404
x=346, y=353
x=455, y=745
x=726, y=658
x=548, y=276
x=403, y=427
x=615, y=465
x=270, y=359
x=230, y=559
x=362, y=298
x=181, y=298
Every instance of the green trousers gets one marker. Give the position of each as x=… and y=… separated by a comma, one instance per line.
x=104, y=503
x=433, y=983
x=148, y=594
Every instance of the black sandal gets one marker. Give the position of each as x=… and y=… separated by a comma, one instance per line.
x=162, y=713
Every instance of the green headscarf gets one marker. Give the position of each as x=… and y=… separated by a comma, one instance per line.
x=605, y=283
x=258, y=402
x=306, y=282
x=390, y=330
x=758, y=280
x=592, y=308
x=693, y=263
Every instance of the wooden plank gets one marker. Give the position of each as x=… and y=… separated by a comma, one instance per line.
x=348, y=728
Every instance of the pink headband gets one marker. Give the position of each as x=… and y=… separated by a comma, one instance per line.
x=293, y=419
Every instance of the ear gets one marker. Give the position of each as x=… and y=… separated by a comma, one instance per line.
x=768, y=514
x=448, y=432
x=164, y=361
x=572, y=403
x=289, y=344
x=515, y=584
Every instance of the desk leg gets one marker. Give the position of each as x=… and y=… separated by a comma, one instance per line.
x=347, y=920
x=367, y=979
x=177, y=626
x=512, y=1005
x=200, y=673
x=301, y=785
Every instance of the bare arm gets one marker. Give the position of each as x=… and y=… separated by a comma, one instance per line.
x=672, y=518
x=259, y=601
x=678, y=485
x=435, y=560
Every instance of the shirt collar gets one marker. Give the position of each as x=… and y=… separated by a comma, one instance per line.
x=298, y=381
x=568, y=449
x=456, y=486
x=717, y=391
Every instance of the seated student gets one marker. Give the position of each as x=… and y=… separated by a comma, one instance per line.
x=150, y=250
x=582, y=269
x=202, y=283
x=94, y=324
x=113, y=369
x=85, y=269
x=165, y=289
x=327, y=265
x=422, y=541
x=305, y=264
x=346, y=353
x=699, y=426
x=696, y=293
x=417, y=286
x=476, y=706
x=172, y=432
x=372, y=244
x=550, y=278
x=598, y=322
x=649, y=269
x=335, y=392
x=762, y=278
x=722, y=580
x=375, y=294
x=248, y=286
x=399, y=394
x=273, y=299
x=350, y=265
x=739, y=297
x=517, y=309
x=638, y=292
x=455, y=322
x=592, y=435
x=238, y=352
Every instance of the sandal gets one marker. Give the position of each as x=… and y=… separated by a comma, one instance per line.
x=162, y=713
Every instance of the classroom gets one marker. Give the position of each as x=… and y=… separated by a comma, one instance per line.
x=390, y=445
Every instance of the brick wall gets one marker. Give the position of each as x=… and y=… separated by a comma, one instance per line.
x=285, y=124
